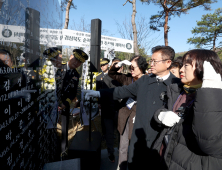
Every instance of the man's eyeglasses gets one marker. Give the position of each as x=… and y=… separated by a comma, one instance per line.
x=154, y=62
x=132, y=68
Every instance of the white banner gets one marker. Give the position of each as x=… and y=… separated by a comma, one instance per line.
x=53, y=37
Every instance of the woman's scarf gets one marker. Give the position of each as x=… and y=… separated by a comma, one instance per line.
x=192, y=88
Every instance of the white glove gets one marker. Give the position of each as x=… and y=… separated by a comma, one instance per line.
x=211, y=79
x=168, y=118
x=91, y=93
x=126, y=62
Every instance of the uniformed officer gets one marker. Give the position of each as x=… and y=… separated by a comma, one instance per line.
x=52, y=62
x=108, y=109
x=54, y=54
x=69, y=90
x=104, y=63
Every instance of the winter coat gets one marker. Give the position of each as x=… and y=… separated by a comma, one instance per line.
x=124, y=113
x=195, y=142
x=108, y=108
x=148, y=92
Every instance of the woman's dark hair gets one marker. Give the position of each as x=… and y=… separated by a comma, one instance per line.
x=115, y=59
x=199, y=56
x=141, y=62
x=177, y=62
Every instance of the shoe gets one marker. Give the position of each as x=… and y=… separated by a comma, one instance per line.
x=111, y=157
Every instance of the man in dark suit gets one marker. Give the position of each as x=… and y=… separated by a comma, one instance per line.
x=69, y=90
x=108, y=109
x=149, y=92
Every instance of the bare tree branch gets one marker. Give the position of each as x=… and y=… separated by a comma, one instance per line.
x=128, y=1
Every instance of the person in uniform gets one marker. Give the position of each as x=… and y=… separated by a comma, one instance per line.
x=149, y=91
x=104, y=64
x=109, y=110
x=69, y=90
x=52, y=62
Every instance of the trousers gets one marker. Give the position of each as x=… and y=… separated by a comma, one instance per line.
x=110, y=127
x=123, y=148
x=65, y=126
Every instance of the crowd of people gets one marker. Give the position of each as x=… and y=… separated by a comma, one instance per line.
x=169, y=116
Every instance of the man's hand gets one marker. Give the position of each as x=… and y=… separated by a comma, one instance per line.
x=126, y=62
x=63, y=107
x=168, y=118
x=91, y=93
x=211, y=79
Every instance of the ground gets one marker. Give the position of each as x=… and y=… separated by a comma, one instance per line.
x=76, y=126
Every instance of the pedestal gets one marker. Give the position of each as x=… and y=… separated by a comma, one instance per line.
x=88, y=152
x=64, y=165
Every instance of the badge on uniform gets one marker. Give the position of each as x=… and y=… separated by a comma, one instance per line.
x=75, y=78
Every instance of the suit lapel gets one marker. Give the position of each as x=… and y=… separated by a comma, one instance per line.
x=171, y=80
x=152, y=79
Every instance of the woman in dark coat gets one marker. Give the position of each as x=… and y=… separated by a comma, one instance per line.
x=126, y=116
x=192, y=134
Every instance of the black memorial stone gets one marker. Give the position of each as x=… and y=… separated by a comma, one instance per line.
x=88, y=152
x=27, y=143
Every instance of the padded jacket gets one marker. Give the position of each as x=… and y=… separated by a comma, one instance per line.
x=195, y=143
x=124, y=112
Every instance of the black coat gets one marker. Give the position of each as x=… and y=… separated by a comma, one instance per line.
x=195, y=142
x=108, y=107
x=70, y=81
x=147, y=90
x=105, y=81
x=124, y=112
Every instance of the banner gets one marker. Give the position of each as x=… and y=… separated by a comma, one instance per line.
x=57, y=37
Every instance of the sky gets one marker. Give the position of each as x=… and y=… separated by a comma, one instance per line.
x=110, y=11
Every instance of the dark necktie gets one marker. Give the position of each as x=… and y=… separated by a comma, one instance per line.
x=159, y=80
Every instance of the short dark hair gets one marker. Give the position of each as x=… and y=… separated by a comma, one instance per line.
x=166, y=51
x=199, y=56
x=177, y=62
x=141, y=62
x=3, y=51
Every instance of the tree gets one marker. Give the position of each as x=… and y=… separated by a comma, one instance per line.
x=208, y=30
x=69, y=6
x=219, y=53
x=133, y=2
x=144, y=32
x=173, y=8
x=86, y=27
x=11, y=13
